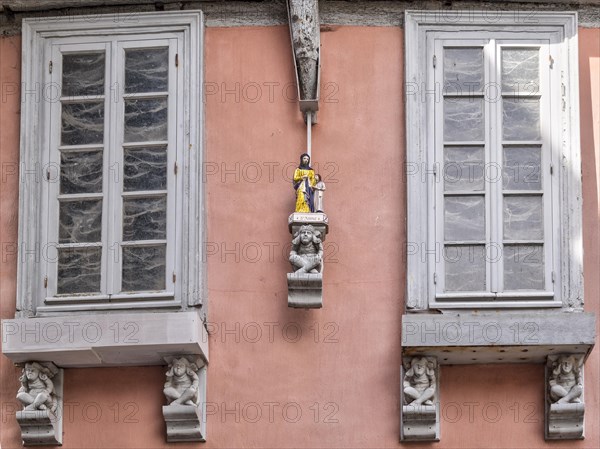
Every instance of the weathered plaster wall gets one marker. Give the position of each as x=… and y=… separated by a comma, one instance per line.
x=235, y=13
x=589, y=93
x=343, y=372
x=350, y=370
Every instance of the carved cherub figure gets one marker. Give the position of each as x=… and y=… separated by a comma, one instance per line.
x=419, y=381
x=181, y=386
x=565, y=383
x=307, y=251
x=37, y=390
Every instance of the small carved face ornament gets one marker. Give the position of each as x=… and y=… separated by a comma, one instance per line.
x=32, y=373
x=420, y=368
x=566, y=366
x=179, y=368
x=306, y=236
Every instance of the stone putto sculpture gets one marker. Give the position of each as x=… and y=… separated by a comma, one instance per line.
x=565, y=409
x=419, y=381
x=182, y=382
x=184, y=389
x=37, y=389
x=306, y=255
x=41, y=394
x=420, y=410
x=565, y=380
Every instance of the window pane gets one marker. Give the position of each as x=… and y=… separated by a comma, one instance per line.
x=463, y=168
x=81, y=172
x=463, y=119
x=463, y=70
x=82, y=123
x=83, y=74
x=145, y=169
x=146, y=70
x=520, y=70
x=464, y=218
x=522, y=168
x=521, y=118
x=523, y=217
x=79, y=270
x=145, y=218
x=465, y=268
x=80, y=221
x=523, y=267
x=145, y=120
x=144, y=268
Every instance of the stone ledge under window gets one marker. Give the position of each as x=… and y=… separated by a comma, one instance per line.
x=101, y=340
x=502, y=337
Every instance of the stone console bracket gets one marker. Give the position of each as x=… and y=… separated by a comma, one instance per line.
x=420, y=421
x=305, y=35
x=186, y=421
x=305, y=290
x=43, y=427
x=482, y=337
x=564, y=420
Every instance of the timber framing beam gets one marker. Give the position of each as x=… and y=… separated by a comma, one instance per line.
x=46, y=5
x=237, y=13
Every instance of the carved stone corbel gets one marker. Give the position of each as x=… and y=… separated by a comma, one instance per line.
x=41, y=394
x=185, y=390
x=305, y=34
x=420, y=417
x=305, y=284
x=565, y=406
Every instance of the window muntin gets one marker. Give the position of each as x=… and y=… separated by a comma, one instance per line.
x=114, y=139
x=494, y=231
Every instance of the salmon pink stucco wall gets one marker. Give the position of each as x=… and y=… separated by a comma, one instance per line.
x=10, y=79
x=289, y=378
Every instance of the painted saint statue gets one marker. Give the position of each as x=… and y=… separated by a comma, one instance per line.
x=304, y=183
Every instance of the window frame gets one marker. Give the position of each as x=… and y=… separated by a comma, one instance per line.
x=421, y=247
x=39, y=38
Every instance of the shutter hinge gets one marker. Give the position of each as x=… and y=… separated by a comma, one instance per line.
x=45, y=281
x=551, y=169
x=551, y=61
x=50, y=67
x=48, y=174
x=175, y=168
x=435, y=170
x=434, y=61
x=553, y=277
x=435, y=278
x=176, y=59
x=174, y=277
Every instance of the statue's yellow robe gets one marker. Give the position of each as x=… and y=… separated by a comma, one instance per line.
x=301, y=202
